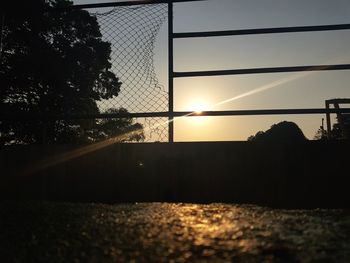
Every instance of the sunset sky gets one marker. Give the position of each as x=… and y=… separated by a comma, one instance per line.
x=261, y=91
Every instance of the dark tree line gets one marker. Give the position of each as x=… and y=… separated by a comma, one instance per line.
x=284, y=131
x=287, y=131
x=55, y=62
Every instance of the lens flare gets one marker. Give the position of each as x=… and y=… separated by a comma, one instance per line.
x=197, y=109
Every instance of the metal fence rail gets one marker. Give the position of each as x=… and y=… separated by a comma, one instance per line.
x=273, y=30
x=173, y=75
x=131, y=3
x=260, y=70
x=169, y=113
x=175, y=114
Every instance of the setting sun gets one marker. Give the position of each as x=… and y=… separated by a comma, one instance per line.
x=198, y=106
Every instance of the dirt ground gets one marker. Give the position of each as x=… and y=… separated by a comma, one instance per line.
x=36, y=231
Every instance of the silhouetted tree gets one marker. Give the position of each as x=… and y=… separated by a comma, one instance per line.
x=336, y=132
x=53, y=62
x=121, y=129
x=284, y=131
x=321, y=134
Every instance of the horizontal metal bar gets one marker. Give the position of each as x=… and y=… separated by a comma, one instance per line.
x=261, y=112
x=129, y=3
x=260, y=70
x=257, y=31
x=30, y=117
x=339, y=101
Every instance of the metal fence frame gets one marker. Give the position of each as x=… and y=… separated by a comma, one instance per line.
x=241, y=32
x=171, y=114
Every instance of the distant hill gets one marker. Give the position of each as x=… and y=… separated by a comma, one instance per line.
x=280, y=132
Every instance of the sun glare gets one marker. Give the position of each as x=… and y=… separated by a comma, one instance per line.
x=198, y=107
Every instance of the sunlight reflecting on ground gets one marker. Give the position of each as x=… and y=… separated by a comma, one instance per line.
x=170, y=232
x=209, y=224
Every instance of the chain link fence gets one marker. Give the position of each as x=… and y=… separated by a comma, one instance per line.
x=132, y=32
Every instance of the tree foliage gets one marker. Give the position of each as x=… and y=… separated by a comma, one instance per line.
x=339, y=131
x=284, y=131
x=54, y=62
x=321, y=134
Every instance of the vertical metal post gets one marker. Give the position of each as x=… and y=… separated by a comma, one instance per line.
x=328, y=120
x=171, y=71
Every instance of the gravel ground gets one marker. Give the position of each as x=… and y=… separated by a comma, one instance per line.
x=34, y=231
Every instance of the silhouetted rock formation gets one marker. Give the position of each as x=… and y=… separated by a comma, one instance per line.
x=280, y=132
